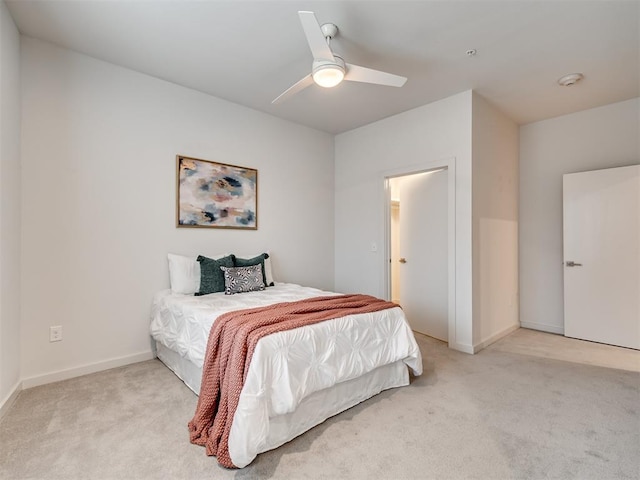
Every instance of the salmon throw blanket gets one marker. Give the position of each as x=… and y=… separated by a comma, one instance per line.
x=231, y=343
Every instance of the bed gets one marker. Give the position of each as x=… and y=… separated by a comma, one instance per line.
x=297, y=378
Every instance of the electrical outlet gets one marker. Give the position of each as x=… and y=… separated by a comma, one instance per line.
x=55, y=333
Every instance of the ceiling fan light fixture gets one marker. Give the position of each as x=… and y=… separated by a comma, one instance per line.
x=328, y=76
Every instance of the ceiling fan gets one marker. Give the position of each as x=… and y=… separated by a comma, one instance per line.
x=329, y=69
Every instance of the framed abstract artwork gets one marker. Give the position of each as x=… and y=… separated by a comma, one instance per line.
x=217, y=195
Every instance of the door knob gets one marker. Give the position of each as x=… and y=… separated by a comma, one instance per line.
x=403, y=260
x=571, y=263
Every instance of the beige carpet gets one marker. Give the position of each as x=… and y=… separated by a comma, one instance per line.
x=545, y=345
x=495, y=415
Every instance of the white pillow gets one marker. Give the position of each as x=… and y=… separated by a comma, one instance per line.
x=184, y=273
x=267, y=270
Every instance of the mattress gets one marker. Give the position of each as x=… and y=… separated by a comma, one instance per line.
x=297, y=378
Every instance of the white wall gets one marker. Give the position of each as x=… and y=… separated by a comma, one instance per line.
x=9, y=209
x=98, y=148
x=598, y=138
x=495, y=223
x=431, y=133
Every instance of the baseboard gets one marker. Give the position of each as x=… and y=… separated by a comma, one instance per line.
x=495, y=337
x=462, y=347
x=543, y=327
x=85, y=369
x=10, y=399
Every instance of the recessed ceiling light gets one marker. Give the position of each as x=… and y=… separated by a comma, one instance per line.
x=570, y=79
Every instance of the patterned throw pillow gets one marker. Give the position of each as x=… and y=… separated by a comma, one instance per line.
x=243, y=279
x=258, y=260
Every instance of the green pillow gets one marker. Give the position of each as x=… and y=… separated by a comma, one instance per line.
x=211, y=275
x=248, y=262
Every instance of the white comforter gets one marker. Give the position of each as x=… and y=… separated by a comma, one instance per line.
x=288, y=366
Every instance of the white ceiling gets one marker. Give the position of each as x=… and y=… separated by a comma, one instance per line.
x=249, y=52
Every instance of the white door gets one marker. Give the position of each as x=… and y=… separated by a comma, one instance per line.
x=602, y=256
x=423, y=249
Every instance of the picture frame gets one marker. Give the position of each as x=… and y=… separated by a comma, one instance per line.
x=215, y=195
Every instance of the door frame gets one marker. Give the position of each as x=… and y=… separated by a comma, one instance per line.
x=448, y=164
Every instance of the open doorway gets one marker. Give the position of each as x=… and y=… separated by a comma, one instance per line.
x=419, y=249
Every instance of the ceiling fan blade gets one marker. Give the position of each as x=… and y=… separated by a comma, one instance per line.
x=356, y=73
x=317, y=43
x=295, y=88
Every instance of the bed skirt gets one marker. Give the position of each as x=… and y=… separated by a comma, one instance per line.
x=312, y=411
